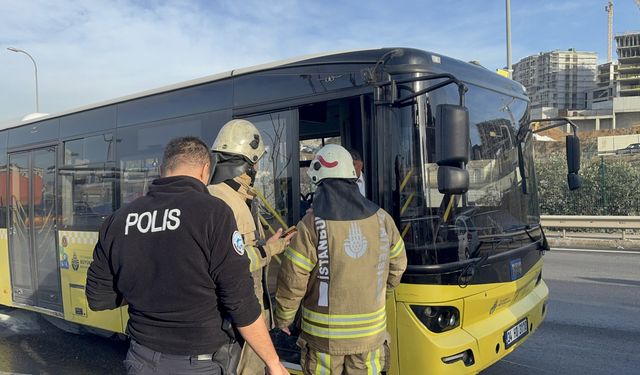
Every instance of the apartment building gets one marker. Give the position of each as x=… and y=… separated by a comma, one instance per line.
x=558, y=79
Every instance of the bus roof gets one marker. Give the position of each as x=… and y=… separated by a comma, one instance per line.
x=432, y=62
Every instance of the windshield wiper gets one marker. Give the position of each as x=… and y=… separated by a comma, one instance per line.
x=521, y=168
x=466, y=276
x=440, y=269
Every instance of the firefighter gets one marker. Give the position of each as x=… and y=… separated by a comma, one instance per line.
x=236, y=150
x=346, y=256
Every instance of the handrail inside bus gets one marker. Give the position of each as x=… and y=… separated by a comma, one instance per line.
x=564, y=121
x=450, y=79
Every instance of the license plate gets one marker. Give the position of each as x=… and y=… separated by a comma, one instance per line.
x=515, y=333
x=515, y=266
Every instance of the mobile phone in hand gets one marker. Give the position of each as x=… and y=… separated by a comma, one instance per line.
x=292, y=229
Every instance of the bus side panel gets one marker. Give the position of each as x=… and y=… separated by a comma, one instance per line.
x=393, y=334
x=76, y=254
x=487, y=316
x=421, y=351
x=5, y=276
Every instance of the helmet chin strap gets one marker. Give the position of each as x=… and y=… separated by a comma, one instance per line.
x=243, y=184
x=237, y=172
x=251, y=172
x=226, y=167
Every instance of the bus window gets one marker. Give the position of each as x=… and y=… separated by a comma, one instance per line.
x=3, y=188
x=439, y=229
x=140, y=151
x=308, y=149
x=34, y=133
x=273, y=179
x=196, y=99
x=87, y=180
x=92, y=121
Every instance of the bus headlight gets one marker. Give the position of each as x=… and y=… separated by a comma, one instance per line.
x=437, y=318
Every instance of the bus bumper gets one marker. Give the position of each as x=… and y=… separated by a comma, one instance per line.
x=423, y=351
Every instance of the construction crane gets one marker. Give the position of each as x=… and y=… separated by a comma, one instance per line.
x=609, y=9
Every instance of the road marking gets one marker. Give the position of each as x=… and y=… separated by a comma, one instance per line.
x=595, y=250
x=538, y=369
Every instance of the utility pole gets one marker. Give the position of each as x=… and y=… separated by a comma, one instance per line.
x=609, y=9
x=508, y=10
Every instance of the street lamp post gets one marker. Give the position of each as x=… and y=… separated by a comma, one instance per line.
x=12, y=49
x=508, y=17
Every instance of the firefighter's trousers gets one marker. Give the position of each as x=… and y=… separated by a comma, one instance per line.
x=314, y=362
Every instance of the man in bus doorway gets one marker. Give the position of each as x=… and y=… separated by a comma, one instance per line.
x=358, y=165
x=346, y=256
x=236, y=150
x=175, y=269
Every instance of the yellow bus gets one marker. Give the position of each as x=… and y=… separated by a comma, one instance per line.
x=446, y=145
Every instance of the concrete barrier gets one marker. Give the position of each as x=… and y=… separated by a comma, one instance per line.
x=627, y=231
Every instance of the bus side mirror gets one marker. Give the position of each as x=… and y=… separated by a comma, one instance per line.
x=452, y=135
x=452, y=180
x=573, y=162
x=574, y=181
x=452, y=148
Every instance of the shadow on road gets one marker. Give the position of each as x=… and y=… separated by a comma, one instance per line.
x=31, y=345
x=612, y=281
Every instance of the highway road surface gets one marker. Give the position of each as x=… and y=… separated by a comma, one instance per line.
x=593, y=320
x=592, y=327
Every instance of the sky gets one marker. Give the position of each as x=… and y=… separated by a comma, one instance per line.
x=89, y=51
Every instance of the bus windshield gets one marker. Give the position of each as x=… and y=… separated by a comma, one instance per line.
x=500, y=210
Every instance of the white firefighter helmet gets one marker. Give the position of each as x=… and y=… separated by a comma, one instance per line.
x=240, y=137
x=332, y=161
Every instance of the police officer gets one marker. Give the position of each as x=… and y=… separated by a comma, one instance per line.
x=346, y=256
x=176, y=258
x=236, y=151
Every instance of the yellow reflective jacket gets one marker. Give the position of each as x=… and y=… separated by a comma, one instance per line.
x=341, y=272
x=258, y=251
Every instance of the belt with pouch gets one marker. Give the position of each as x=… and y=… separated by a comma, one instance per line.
x=198, y=357
x=148, y=352
x=202, y=357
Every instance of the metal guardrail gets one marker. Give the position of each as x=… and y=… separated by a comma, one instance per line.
x=596, y=222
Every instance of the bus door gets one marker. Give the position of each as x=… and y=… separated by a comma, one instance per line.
x=341, y=121
x=276, y=178
x=345, y=121
x=35, y=276
x=292, y=138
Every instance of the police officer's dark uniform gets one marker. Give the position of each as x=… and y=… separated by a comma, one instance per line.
x=175, y=256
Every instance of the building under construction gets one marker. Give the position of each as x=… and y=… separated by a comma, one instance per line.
x=606, y=84
x=628, y=49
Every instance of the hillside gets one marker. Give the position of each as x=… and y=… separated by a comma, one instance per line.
x=588, y=140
